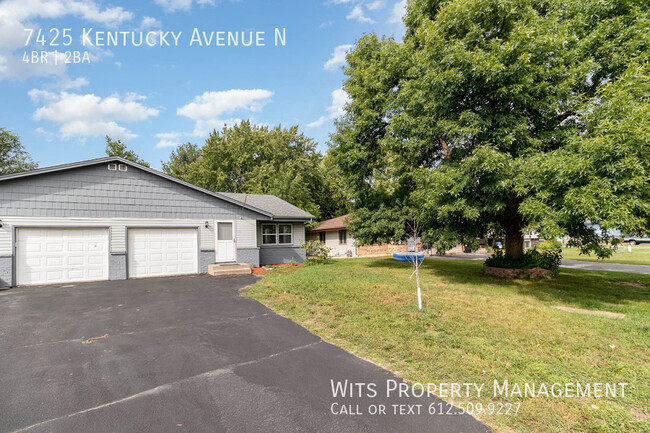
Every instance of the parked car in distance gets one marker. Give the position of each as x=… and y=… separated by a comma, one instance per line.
x=634, y=240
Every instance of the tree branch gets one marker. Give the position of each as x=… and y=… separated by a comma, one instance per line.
x=445, y=147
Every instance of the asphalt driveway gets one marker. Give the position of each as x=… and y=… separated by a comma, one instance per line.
x=183, y=354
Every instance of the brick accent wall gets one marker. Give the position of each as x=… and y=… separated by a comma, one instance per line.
x=380, y=249
x=280, y=255
x=6, y=268
x=206, y=258
x=117, y=267
x=250, y=256
x=517, y=273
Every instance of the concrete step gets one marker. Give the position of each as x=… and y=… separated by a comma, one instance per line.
x=226, y=270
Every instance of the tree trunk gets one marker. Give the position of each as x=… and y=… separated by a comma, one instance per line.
x=513, y=225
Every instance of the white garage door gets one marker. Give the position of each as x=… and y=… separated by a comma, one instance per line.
x=50, y=256
x=162, y=252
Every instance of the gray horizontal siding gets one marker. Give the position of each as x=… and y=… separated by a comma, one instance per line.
x=96, y=192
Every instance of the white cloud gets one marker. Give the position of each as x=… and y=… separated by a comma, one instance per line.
x=399, y=10
x=208, y=110
x=20, y=10
x=16, y=15
x=13, y=67
x=180, y=5
x=87, y=115
x=375, y=5
x=338, y=57
x=337, y=109
x=357, y=14
x=168, y=139
x=66, y=83
x=150, y=23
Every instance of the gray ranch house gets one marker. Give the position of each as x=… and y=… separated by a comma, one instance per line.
x=112, y=219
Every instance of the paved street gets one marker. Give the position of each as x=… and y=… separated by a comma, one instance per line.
x=572, y=264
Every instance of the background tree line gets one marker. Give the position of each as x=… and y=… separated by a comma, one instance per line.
x=246, y=158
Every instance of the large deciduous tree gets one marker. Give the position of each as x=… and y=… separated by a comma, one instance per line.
x=118, y=148
x=500, y=115
x=13, y=157
x=180, y=160
x=252, y=159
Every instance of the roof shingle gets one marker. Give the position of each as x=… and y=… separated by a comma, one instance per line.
x=337, y=223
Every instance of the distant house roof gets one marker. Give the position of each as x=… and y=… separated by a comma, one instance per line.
x=337, y=223
x=268, y=205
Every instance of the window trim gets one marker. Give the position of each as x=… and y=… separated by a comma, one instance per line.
x=285, y=234
x=276, y=234
x=345, y=233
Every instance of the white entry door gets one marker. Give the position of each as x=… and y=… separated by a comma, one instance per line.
x=224, y=241
x=50, y=256
x=162, y=252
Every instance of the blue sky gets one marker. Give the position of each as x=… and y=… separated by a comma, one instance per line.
x=154, y=97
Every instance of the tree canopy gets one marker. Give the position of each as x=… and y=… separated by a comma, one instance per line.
x=13, y=157
x=247, y=158
x=181, y=159
x=500, y=116
x=117, y=148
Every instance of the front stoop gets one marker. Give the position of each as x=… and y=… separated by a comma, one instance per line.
x=230, y=269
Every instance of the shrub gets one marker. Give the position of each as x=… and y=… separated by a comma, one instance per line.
x=548, y=257
x=549, y=245
x=317, y=252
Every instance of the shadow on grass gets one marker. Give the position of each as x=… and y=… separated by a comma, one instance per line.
x=587, y=289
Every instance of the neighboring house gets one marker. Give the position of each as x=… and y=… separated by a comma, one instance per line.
x=335, y=236
x=532, y=240
x=112, y=219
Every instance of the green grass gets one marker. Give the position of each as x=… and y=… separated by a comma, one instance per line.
x=640, y=255
x=476, y=329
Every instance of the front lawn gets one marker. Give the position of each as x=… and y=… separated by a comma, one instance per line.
x=478, y=329
x=640, y=255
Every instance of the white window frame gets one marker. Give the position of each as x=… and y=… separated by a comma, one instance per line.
x=276, y=234
x=285, y=234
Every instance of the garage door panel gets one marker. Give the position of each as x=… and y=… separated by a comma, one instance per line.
x=50, y=256
x=162, y=252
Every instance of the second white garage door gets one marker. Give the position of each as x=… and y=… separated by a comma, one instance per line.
x=162, y=252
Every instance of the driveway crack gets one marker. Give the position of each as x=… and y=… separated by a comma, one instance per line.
x=168, y=386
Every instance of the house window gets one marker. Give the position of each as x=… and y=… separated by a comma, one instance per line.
x=269, y=234
x=285, y=234
x=343, y=237
x=277, y=234
x=321, y=237
x=527, y=244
